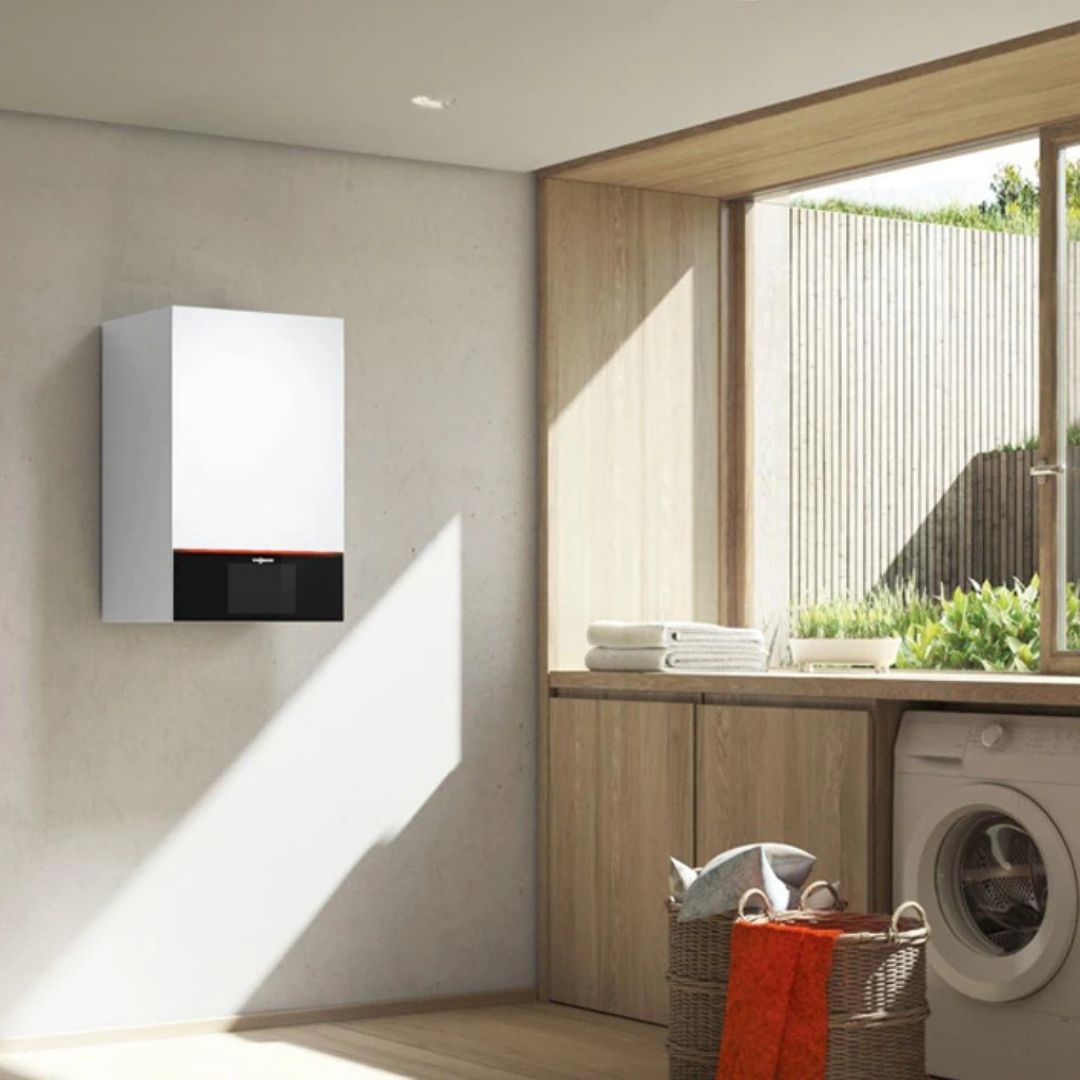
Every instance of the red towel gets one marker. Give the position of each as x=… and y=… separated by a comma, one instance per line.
x=776, y=1024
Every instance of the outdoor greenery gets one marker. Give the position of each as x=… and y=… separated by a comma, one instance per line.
x=1012, y=208
x=984, y=627
x=993, y=627
x=1072, y=438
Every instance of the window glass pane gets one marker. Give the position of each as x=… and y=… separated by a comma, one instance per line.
x=895, y=357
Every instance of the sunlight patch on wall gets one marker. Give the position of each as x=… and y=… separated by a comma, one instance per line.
x=341, y=768
x=634, y=454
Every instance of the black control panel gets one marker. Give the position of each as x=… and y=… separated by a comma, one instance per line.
x=258, y=586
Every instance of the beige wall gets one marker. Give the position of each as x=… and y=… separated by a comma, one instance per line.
x=198, y=820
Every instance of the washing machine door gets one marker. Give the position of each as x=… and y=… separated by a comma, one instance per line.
x=999, y=888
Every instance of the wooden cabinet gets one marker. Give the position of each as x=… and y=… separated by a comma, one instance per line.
x=801, y=776
x=620, y=801
x=628, y=783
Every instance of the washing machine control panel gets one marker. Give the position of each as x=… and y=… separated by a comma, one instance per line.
x=991, y=746
x=1039, y=739
x=1023, y=737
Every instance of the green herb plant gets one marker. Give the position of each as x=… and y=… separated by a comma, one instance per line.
x=885, y=611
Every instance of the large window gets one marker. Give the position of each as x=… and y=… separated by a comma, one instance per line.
x=896, y=358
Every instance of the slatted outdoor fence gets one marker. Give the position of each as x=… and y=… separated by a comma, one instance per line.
x=914, y=355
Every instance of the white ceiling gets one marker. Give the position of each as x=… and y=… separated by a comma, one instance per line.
x=536, y=81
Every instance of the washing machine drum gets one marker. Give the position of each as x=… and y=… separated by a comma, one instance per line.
x=1000, y=890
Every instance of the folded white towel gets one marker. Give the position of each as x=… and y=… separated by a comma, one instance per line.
x=745, y=658
x=612, y=634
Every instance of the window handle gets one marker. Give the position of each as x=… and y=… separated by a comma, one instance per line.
x=1041, y=470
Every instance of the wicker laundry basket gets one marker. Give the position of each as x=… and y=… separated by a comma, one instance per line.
x=876, y=991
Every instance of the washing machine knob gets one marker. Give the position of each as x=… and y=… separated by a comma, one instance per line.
x=991, y=735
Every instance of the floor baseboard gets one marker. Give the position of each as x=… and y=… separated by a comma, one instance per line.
x=239, y=1022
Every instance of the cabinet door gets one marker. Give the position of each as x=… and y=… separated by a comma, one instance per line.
x=799, y=776
x=620, y=802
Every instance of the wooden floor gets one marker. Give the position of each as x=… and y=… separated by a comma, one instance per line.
x=545, y=1042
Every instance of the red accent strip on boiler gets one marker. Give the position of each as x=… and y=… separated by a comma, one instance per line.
x=253, y=551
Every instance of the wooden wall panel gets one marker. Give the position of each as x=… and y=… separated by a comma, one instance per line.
x=621, y=802
x=985, y=94
x=629, y=343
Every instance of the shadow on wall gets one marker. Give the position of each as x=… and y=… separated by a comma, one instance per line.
x=204, y=819
x=984, y=527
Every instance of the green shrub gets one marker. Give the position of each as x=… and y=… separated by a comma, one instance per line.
x=984, y=627
x=955, y=214
x=992, y=627
x=1072, y=438
x=1072, y=617
x=1014, y=207
x=1030, y=443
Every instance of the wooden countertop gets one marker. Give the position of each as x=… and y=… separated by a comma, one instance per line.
x=949, y=687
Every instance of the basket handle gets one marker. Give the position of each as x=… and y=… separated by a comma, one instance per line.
x=752, y=894
x=914, y=905
x=839, y=903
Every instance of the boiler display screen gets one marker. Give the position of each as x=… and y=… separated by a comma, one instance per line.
x=261, y=588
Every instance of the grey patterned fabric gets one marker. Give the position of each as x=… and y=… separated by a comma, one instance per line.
x=680, y=878
x=779, y=870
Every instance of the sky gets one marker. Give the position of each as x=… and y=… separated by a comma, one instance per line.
x=964, y=179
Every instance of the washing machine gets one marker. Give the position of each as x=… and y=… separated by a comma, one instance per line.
x=986, y=836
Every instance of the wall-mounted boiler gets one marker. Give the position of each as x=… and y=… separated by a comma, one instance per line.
x=222, y=466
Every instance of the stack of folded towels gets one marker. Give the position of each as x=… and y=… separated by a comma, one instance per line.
x=674, y=646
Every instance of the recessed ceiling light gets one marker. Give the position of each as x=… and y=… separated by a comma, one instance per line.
x=423, y=101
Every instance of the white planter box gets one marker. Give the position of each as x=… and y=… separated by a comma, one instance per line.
x=878, y=653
